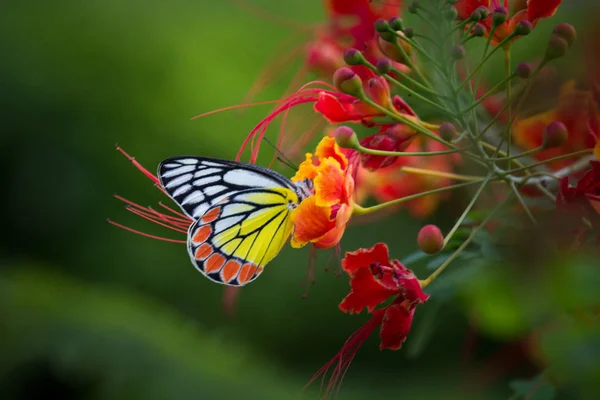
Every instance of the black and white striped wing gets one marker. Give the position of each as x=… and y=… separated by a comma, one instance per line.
x=197, y=183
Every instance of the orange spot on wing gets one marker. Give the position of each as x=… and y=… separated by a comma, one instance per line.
x=231, y=270
x=202, y=234
x=246, y=273
x=211, y=215
x=203, y=251
x=214, y=263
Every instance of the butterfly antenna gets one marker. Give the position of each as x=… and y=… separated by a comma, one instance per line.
x=282, y=158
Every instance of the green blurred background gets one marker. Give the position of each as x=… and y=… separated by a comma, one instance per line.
x=91, y=311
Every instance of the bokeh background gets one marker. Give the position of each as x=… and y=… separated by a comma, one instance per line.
x=89, y=311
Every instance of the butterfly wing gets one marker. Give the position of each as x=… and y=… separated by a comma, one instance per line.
x=234, y=240
x=197, y=183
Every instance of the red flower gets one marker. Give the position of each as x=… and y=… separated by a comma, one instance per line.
x=584, y=199
x=374, y=279
x=530, y=10
x=350, y=23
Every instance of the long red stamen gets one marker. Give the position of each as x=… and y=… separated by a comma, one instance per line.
x=245, y=105
x=344, y=357
x=144, y=234
x=139, y=166
x=154, y=220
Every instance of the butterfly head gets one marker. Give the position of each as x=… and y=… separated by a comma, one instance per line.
x=305, y=188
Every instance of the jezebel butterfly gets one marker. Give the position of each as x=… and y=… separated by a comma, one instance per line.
x=241, y=213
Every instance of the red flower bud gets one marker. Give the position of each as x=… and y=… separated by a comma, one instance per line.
x=347, y=81
x=430, y=239
x=557, y=47
x=345, y=137
x=524, y=70
x=383, y=65
x=353, y=57
x=447, y=131
x=565, y=31
x=523, y=28
x=458, y=52
x=555, y=134
x=479, y=30
x=500, y=15
x=396, y=23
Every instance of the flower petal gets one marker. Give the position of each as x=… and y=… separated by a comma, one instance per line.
x=395, y=327
x=334, y=236
x=537, y=9
x=334, y=110
x=328, y=148
x=311, y=222
x=329, y=183
x=306, y=169
x=363, y=258
x=466, y=7
x=366, y=292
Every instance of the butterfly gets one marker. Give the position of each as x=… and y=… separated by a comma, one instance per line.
x=241, y=213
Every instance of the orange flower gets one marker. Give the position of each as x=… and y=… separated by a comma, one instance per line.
x=321, y=219
x=577, y=109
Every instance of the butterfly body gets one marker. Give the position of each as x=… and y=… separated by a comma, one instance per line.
x=241, y=213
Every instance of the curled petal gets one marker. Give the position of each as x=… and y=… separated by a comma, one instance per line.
x=329, y=183
x=311, y=222
x=395, y=326
x=328, y=148
x=362, y=258
x=306, y=169
x=366, y=292
x=334, y=236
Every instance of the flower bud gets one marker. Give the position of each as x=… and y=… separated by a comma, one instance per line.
x=523, y=28
x=450, y=13
x=524, y=70
x=381, y=25
x=383, y=65
x=353, y=57
x=346, y=138
x=347, y=81
x=555, y=134
x=557, y=47
x=499, y=16
x=484, y=12
x=409, y=32
x=430, y=239
x=475, y=16
x=379, y=91
x=458, y=52
x=396, y=24
x=566, y=31
x=478, y=30
x=447, y=131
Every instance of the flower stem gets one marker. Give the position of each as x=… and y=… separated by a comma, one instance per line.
x=488, y=94
x=358, y=210
x=467, y=209
x=464, y=245
x=365, y=150
x=569, y=169
x=519, y=155
x=428, y=172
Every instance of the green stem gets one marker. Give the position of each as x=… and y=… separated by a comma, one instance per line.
x=464, y=245
x=549, y=160
x=401, y=118
x=373, y=152
x=515, y=156
x=358, y=210
x=488, y=94
x=467, y=210
x=522, y=201
x=505, y=40
x=508, y=98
